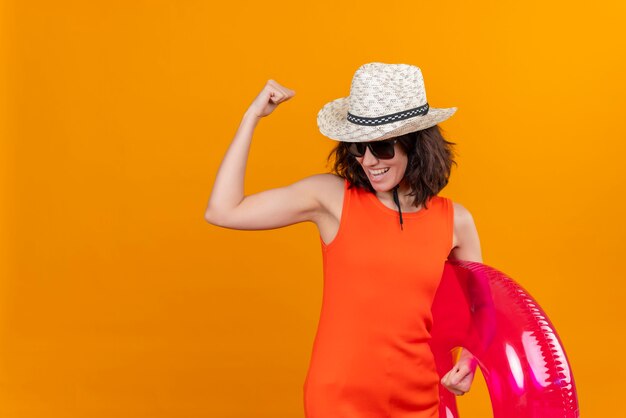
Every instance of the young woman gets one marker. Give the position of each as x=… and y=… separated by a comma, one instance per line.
x=385, y=235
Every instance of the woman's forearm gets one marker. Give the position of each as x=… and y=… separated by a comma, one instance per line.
x=228, y=189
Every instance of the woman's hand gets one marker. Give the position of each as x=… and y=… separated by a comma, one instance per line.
x=270, y=97
x=459, y=379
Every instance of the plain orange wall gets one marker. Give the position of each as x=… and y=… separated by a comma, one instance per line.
x=118, y=299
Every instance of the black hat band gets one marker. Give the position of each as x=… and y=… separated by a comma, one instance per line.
x=394, y=117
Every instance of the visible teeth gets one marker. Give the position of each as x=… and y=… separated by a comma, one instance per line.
x=379, y=172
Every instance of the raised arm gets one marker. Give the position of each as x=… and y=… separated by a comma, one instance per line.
x=229, y=208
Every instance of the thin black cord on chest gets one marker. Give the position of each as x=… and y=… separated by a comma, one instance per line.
x=397, y=202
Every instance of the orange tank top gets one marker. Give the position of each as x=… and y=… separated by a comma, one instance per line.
x=370, y=356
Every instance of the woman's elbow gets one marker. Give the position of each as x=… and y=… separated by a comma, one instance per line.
x=214, y=218
x=209, y=218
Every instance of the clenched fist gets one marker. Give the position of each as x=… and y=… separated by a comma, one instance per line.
x=270, y=97
x=459, y=379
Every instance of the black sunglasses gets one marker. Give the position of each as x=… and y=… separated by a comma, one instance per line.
x=382, y=150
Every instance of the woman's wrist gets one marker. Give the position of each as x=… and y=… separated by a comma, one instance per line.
x=467, y=358
x=251, y=116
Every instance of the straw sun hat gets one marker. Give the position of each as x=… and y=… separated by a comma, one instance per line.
x=386, y=100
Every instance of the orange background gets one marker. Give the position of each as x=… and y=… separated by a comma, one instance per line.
x=118, y=299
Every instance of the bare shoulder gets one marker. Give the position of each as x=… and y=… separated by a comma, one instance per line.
x=324, y=180
x=320, y=186
x=462, y=216
x=466, y=243
x=328, y=190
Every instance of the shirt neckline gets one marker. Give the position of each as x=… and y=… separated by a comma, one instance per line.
x=394, y=212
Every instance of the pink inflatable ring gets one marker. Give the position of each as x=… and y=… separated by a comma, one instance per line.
x=517, y=348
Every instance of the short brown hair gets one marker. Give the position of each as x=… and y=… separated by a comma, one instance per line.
x=430, y=159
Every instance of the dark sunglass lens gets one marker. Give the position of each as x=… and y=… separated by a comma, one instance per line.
x=356, y=149
x=383, y=150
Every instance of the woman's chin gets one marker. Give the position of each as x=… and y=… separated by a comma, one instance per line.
x=381, y=189
x=383, y=186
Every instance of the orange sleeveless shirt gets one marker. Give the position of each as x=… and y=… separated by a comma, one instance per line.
x=370, y=356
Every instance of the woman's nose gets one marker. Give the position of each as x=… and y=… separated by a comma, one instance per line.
x=368, y=158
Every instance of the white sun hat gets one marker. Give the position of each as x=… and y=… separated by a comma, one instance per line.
x=386, y=100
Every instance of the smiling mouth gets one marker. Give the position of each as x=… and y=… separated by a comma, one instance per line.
x=379, y=172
